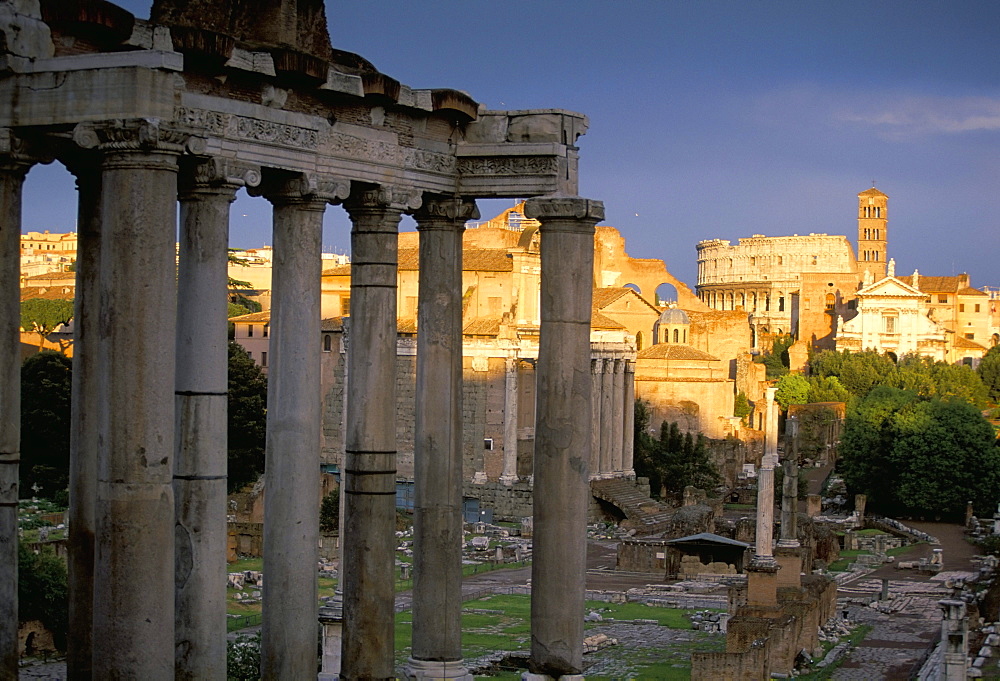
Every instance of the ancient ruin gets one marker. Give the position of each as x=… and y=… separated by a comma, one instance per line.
x=201, y=100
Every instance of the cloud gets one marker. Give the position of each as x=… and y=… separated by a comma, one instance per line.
x=909, y=117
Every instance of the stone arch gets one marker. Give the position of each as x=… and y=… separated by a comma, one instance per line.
x=666, y=292
x=634, y=287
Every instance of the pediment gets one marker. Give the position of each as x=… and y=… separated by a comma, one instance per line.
x=892, y=287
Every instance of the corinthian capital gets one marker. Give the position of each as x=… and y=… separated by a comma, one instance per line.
x=315, y=187
x=221, y=172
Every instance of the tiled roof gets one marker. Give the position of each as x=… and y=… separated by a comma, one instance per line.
x=54, y=276
x=332, y=324
x=871, y=192
x=473, y=259
x=483, y=326
x=264, y=316
x=935, y=284
x=606, y=296
x=968, y=344
x=46, y=292
x=969, y=291
x=600, y=321
x=339, y=270
x=675, y=351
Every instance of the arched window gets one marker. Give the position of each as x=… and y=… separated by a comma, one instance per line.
x=638, y=341
x=677, y=335
x=685, y=336
x=327, y=343
x=781, y=303
x=831, y=302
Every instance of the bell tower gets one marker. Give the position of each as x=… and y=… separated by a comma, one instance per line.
x=873, y=233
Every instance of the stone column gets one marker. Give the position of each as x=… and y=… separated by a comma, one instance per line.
x=628, y=434
x=437, y=518
x=87, y=402
x=762, y=572
x=955, y=637
x=292, y=449
x=12, y=174
x=607, y=416
x=618, y=419
x=370, y=471
x=789, y=503
x=509, y=475
x=200, y=463
x=597, y=383
x=562, y=439
x=134, y=559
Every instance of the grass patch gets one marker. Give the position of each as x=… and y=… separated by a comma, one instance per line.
x=870, y=532
x=739, y=507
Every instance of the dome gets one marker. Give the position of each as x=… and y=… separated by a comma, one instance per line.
x=674, y=315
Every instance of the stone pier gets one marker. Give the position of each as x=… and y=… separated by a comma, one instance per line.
x=562, y=441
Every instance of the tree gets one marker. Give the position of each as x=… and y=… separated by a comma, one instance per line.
x=792, y=389
x=642, y=447
x=329, y=512
x=247, y=418
x=686, y=463
x=989, y=373
x=776, y=360
x=43, y=315
x=741, y=406
x=919, y=456
x=42, y=593
x=46, y=380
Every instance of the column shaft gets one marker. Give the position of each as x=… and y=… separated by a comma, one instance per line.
x=597, y=382
x=618, y=418
x=201, y=407
x=628, y=432
x=292, y=449
x=88, y=400
x=509, y=475
x=562, y=439
x=437, y=520
x=607, y=414
x=764, y=541
x=134, y=564
x=11, y=181
x=789, y=503
x=370, y=467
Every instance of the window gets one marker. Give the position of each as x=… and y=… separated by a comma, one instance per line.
x=970, y=336
x=677, y=335
x=977, y=307
x=265, y=329
x=249, y=330
x=961, y=307
x=345, y=305
x=781, y=303
x=327, y=343
x=488, y=443
x=263, y=359
x=889, y=323
x=942, y=299
x=831, y=302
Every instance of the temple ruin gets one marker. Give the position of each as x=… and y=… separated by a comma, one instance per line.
x=205, y=98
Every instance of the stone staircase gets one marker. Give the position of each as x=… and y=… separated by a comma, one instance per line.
x=643, y=514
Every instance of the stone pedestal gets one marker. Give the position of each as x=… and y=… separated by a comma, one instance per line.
x=762, y=584
x=562, y=435
x=789, y=560
x=814, y=505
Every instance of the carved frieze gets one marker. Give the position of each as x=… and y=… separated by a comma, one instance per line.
x=375, y=151
x=419, y=159
x=508, y=165
x=232, y=126
x=385, y=197
x=225, y=171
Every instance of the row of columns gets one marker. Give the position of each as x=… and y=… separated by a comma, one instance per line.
x=612, y=417
x=149, y=447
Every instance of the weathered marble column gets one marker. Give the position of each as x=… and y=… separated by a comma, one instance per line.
x=12, y=173
x=87, y=403
x=628, y=434
x=134, y=560
x=562, y=438
x=762, y=572
x=509, y=475
x=607, y=416
x=789, y=504
x=200, y=464
x=369, y=475
x=292, y=449
x=597, y=383
x=437, y=517
x=618, y=419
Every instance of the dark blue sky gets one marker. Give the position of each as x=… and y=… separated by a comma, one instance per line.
x=716, y=119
